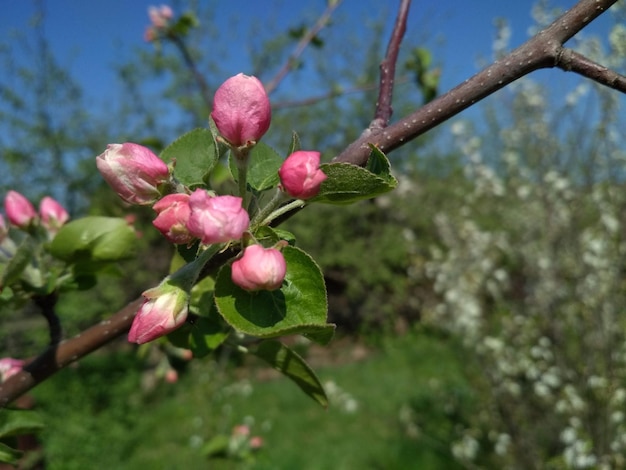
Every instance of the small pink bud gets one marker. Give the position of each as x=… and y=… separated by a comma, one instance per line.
x=256, y=442
x=300, y=174
x=9, y=367
x=53, y=215
x=165, y=310
x=241, y=430
x=20, y=211
x=149, y=34
x=171, y=376
x=159, y=16
x=259, y=268
x=173, y=214
x=133, y=171
x=241, y=110
x=216, y=219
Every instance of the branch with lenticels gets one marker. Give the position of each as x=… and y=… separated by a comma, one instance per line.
x=545, y=50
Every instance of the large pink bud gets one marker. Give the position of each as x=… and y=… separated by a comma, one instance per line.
x=133, y=171
x=241, y=110
x=173, y=214
x=53, y=215
x=20, y=211
x=259, y=269
x=165, y=309
x=300, y=174
x=216, y=219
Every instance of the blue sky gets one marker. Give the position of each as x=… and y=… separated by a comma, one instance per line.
x=89, y=36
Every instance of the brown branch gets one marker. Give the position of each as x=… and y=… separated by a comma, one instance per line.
x=572, y=61
x=542, y=51
x=388, y=69
x=321, y=22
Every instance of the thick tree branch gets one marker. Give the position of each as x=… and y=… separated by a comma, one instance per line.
x=544, y=50
x=388, y=69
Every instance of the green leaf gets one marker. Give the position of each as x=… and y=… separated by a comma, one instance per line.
x=378, y=163
x=347, y=183
x=299, y=306
x=12, y=271
x=94, y=239
x=290, y=364
x=9, y=455
x=16, y=422
x=269, y=236
x=263, y=166
x=295, y=143
x=202, y=336
x=216, y=447
x=195, y=154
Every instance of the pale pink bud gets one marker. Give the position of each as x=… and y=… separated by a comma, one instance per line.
x=256, y=442
x=165, y=309
x=133, y=171
x=259, y=268
x=216, y=219
x=241, y=110
x=53, y=215
x=171, y=376
x=159, y=16
x=20, y=211
x=300, y=174
x=173, y=214
x=149, y=34
x=241, y=430
x=9, y=367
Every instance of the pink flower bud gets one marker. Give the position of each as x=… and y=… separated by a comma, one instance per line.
x=9, y=367
x=241, y=110
x=259, y=268
x=165, y=309
x=133, y=171
x=300, y=174
x=216, y=219
x=53, y=215
x=171, y=376
x=20, y=211
x=256, y=442
x=173, y=214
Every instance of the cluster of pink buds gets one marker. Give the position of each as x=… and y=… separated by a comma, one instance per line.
x=242, y=115
x=159, y=19
x=22, y=214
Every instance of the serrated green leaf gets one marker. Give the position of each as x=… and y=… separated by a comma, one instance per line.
x=378, y=163
x=269, y=236
x=299, y=306
x=290, y=364
x=263, y=166
x=95, y=239
x=12, y=271
x=195, y=153
x=295, y=143
x=347, y=183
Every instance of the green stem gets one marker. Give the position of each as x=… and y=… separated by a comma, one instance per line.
x=267, y=210
x=282, y=210
x=187, y=276
x=241, y=158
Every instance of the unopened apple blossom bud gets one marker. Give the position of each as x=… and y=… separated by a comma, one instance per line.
x=160, y=16
x=241, y=110
x=133, y=171
x=300, y=174
x=164, y=310
x=53, y=215
x=216, y=219
x=19, y=210
x=259, y=269
x=171, y=376
x=173, y=214
x=9, y=367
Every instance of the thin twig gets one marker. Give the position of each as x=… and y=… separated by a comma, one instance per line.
x=321, y=22
x=572, y=61
x=541, y=51
x=388, y=69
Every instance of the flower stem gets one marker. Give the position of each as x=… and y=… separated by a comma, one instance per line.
x=282, y=210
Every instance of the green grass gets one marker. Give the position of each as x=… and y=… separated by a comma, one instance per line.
x=98, y=418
